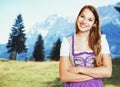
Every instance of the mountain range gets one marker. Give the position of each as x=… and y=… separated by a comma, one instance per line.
x=55, y=27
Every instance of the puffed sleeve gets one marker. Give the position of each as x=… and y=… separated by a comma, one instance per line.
x=104, y=44
x=65, y=47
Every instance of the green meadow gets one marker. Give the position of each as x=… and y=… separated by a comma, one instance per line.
x=40, y=74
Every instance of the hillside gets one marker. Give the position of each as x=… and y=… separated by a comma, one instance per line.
x=40, y=74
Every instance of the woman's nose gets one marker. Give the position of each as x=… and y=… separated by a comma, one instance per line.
x=84, y=21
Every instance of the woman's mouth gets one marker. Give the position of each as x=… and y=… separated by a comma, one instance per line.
x=82, y=25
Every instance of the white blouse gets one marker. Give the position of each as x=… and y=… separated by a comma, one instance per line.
x=65, y=46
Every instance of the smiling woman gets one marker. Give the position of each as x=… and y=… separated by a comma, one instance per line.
x=85, y=56
x=85, y=21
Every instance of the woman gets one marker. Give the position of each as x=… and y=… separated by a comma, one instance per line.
x=85, y=56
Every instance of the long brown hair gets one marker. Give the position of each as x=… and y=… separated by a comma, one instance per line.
x=94, y=40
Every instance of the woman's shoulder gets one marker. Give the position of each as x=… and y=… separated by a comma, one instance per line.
x=103, y=35
x=68, y=38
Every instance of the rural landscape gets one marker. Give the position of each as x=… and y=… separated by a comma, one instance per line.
x=42, y=74
x=30, y=45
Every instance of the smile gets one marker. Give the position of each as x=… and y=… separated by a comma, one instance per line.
x=82, y=25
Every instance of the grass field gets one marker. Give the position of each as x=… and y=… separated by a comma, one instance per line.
x=40, y=74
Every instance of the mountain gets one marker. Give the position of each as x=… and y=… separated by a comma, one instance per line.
x=108, y=14
x=52, y=28
x=113, y=33
x=62, y=27
x=3, y=51
x=56, y=26
x=110, y=25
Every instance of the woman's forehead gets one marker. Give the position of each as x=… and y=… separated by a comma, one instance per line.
x=88, y=13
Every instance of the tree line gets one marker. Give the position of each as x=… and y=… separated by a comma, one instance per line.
x=16, y=44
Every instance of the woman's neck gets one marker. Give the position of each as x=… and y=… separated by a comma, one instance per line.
x=83, y=36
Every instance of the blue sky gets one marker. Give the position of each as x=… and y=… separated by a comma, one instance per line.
x=34, y=11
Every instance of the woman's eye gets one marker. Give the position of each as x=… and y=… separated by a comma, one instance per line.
x=90, y=19
x=82, y=16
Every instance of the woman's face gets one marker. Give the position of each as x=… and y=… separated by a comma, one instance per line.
x=85, y=20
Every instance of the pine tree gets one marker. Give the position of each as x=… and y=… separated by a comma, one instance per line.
x=16, y=42
x=117, y=8
x=38, y=52
x=55, y=52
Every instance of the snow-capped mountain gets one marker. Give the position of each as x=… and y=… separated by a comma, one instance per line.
x=111, y=27
x=108, y=14
x=52, y=28
x=3, y=51
x=56, y=26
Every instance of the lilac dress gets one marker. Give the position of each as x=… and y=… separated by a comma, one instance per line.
x=84, y=59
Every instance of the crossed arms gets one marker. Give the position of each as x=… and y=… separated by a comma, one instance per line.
x=70, y=73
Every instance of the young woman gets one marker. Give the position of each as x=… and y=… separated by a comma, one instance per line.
x=85, y=56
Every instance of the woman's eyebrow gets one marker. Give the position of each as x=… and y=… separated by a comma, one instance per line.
x=89, y=17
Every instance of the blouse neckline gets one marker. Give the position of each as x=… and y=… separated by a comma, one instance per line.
x=76, y=53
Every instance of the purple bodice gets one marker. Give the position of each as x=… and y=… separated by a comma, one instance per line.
x=83, y=58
